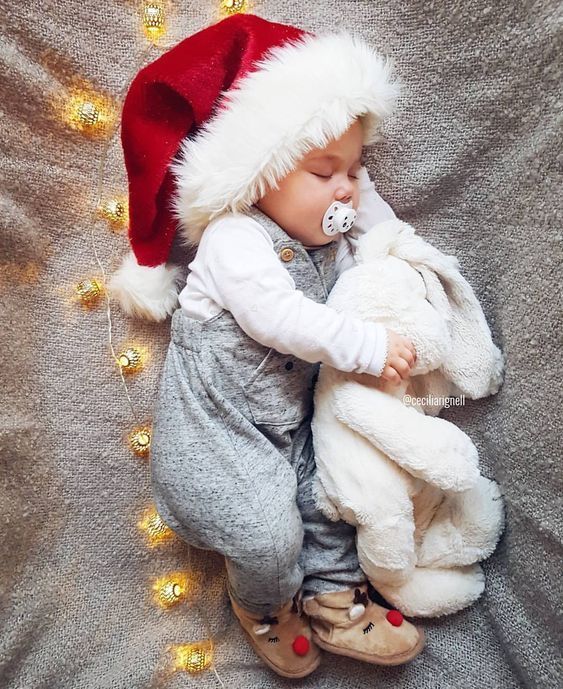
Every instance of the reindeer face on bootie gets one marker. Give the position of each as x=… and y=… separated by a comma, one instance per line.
x=408, y=480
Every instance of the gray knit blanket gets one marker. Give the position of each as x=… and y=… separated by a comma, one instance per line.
x=471, y=159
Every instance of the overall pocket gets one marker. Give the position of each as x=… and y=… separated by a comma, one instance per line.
x=280, y=391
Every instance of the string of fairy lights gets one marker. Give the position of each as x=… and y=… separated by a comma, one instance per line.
x=95, y=114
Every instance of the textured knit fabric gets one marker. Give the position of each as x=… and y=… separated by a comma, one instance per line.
x=236, y=268
x=239, y=236
x=250, y=278
x=470, y=160
x=232, y=457
x=199, y=298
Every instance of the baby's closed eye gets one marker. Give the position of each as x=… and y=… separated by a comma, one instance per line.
x=329, y=176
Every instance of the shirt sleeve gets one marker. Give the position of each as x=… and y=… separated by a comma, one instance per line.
x=372, y=210
x=247, y=278
x=344, y=255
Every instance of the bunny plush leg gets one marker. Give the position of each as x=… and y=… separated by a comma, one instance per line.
x=387, y=554
x=427, y=447
x=435, y=592
x=386, y=550
x=465, y=528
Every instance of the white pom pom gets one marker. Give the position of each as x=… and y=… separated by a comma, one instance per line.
x=148, y=292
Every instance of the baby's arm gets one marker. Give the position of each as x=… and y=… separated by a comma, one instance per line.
x=372, y=210
x=246, y=277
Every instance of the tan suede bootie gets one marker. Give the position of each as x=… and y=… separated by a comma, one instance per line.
x=348, y=623
x=283, y=639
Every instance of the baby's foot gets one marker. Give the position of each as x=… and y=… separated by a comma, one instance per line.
x=348, y=623
x=282, y=640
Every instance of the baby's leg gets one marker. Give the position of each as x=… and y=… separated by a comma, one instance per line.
x=222, y=485
x=329, y=558
x=343, y=618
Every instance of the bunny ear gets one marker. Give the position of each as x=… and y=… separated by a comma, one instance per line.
x=474, y=363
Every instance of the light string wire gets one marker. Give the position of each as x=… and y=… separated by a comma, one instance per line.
x=99, y=193
x=97, y=203
x=214, y=638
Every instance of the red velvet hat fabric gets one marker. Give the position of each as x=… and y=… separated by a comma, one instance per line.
x=169, y=99
x=217, y=120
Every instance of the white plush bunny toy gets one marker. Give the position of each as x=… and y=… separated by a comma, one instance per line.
x=408, y=480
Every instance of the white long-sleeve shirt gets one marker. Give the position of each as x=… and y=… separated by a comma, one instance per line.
x=237, y=269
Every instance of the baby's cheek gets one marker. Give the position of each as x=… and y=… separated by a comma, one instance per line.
x=304, y=194
x=322, y=204
x=315, y=201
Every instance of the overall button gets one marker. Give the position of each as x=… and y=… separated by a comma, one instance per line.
x=286, y=254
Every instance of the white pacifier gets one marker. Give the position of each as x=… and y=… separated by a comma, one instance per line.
x=339, y=218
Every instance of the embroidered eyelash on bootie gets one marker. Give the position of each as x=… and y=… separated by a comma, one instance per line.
x=368, y=629
x=273, y=640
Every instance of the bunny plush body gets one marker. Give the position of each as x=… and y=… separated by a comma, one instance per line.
x=408, y=480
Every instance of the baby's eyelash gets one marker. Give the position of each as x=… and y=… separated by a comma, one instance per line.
x=329, y=176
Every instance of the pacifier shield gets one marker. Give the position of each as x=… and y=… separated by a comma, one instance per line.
x=339, y=217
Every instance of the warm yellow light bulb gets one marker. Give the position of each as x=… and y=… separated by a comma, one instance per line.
x=233, y=6
x=170, y=593
x=154, y=527
x=140, y=441
x=133, y=358
x=88, y=112
x=153, y=19
x=115, y=211
x=194, y=657
x=171, y=589
x=130, y=360
x=89, y=291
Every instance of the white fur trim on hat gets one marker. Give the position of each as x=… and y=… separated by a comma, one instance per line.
x=301, y=96
x=144, y=291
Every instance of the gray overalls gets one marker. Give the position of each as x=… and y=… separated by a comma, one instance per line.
x=232, y=460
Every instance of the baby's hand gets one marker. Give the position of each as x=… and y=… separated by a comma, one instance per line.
x=401, y=357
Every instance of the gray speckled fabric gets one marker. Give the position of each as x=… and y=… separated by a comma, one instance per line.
x=470, y=160
x=232, y=459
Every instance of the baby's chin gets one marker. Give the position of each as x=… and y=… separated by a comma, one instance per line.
x=312, y=238
x=321, y=238
x=317, y=245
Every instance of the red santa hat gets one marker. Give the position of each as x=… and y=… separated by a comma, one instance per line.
x=217, y=120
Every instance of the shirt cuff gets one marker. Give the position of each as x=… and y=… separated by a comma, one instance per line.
x=379, y=342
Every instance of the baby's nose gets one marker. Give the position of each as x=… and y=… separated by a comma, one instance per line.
x=343, y=198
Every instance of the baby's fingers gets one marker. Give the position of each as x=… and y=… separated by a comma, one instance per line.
x=391, y=375
x=409, y=355
x=409, y=346
x=402, y=366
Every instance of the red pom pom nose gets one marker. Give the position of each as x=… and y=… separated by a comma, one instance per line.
x=395, y=618
x=301, y=645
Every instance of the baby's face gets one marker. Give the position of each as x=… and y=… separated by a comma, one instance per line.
x=323, y=176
